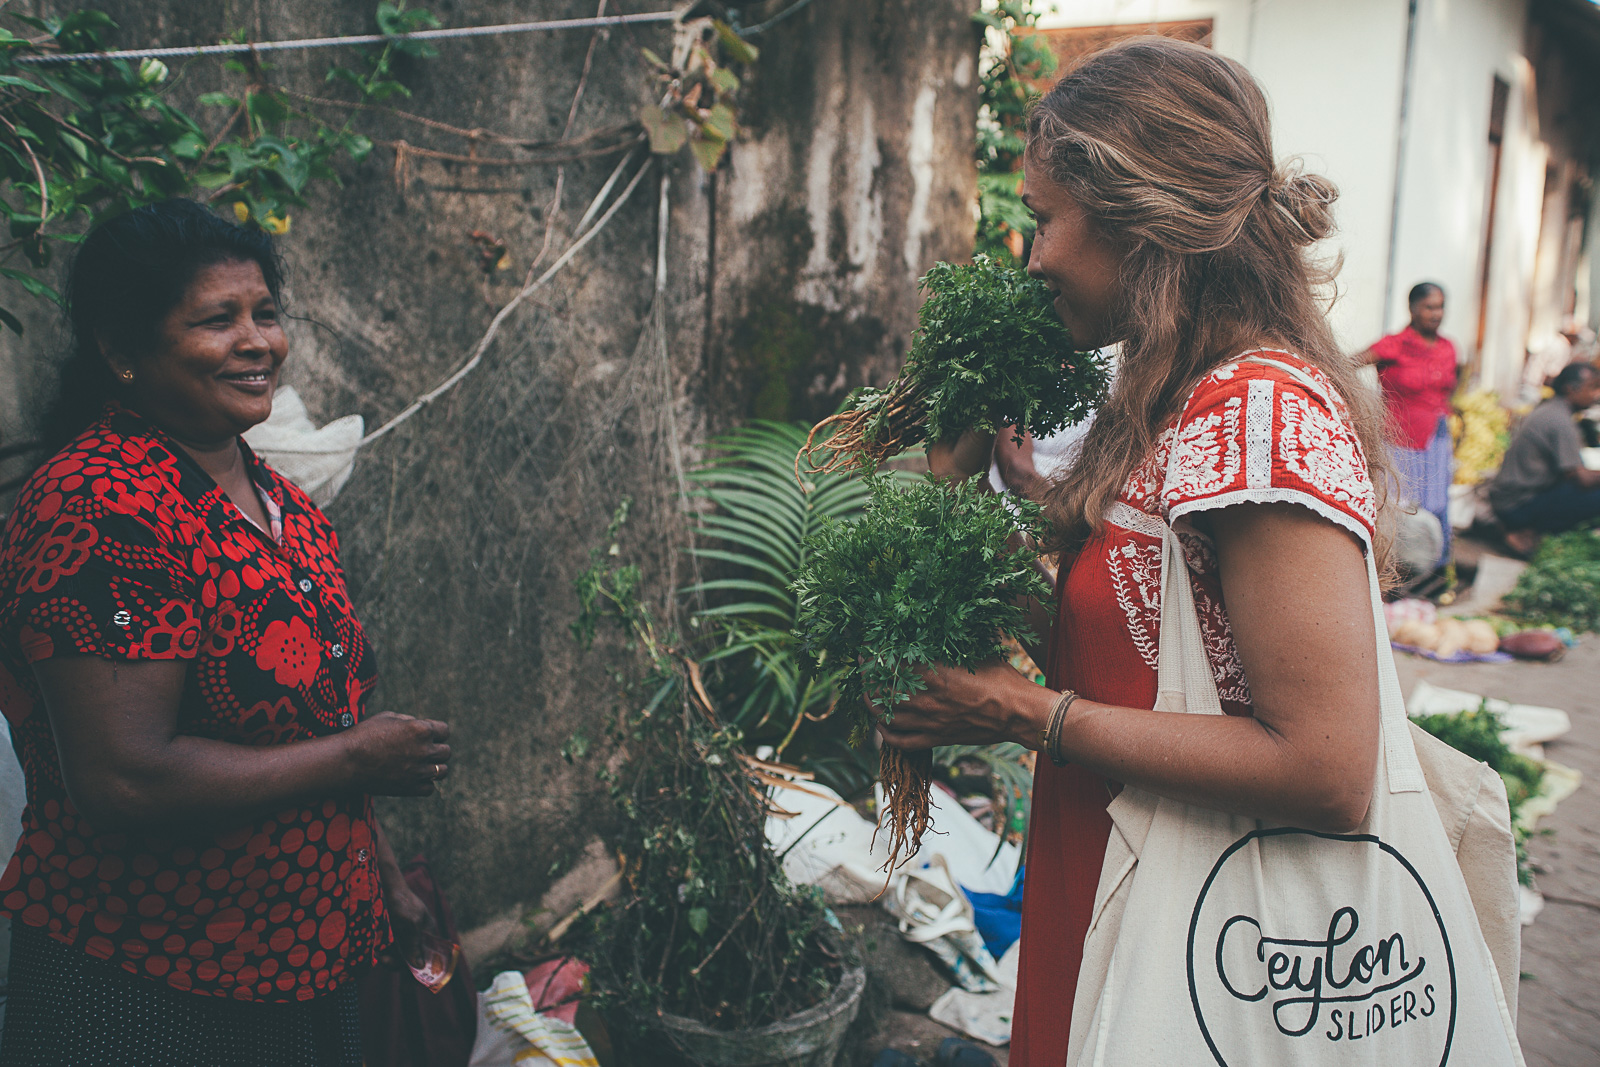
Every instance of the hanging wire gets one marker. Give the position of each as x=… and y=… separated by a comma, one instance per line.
x=366, y=38
x=482, y=346
x=762, y=27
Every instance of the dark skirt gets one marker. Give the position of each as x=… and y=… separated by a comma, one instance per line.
x=66, y=1008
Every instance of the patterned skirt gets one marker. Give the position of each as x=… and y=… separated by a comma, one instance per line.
x=1425, y=477
x=66, y=1008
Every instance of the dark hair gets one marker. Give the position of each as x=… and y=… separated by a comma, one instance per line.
x=127, y=275
x=1572, y=376
x=1421, y=291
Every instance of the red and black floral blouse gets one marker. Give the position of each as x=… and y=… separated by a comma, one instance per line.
x=122, y=547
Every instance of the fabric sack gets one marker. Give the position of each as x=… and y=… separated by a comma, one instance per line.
x=1222, y=939
x=935, y=913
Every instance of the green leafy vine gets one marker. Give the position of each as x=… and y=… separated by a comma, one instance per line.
x=83, y=141
x=1016, y=59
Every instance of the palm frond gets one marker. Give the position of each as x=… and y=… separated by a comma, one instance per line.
x=1011, y=778
x=751, y=538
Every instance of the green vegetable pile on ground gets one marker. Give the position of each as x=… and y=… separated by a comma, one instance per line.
x=927, y=575
x=989, y=351
x=1561, y=586
x=1477, y=733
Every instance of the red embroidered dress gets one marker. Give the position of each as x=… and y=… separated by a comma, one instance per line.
x=1251, y=432
x=122, y=547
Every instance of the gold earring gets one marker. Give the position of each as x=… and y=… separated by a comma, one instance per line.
x=127, y=376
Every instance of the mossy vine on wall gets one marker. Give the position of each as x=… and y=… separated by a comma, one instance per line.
x=781, y=345
x=792, y=360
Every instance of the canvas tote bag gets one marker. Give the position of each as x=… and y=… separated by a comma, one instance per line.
x=1222, y=939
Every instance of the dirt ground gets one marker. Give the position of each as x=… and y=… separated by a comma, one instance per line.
x=1559, y=1016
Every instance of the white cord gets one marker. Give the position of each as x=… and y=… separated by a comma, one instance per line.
x=334, y=42
x=494, y=325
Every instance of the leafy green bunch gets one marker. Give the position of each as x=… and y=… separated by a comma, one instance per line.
x=1478, y=734
x=1561, y=586
x=925, y=576
x=989, y=351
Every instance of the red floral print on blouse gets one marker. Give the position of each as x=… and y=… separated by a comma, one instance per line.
x=121, y=547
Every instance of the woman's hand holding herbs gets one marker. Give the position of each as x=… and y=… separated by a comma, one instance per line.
x=959, y=458
x=987, y=705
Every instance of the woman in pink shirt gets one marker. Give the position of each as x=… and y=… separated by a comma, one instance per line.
x=1417, y=369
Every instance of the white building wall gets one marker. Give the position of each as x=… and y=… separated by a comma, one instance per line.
x=1518, y=211
x=1461, y=46
x=1334, y=76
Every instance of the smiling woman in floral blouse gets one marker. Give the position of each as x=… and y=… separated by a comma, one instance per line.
x=200, y=873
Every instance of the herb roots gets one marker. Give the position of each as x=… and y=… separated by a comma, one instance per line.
x=907, y=778
x=881, y=426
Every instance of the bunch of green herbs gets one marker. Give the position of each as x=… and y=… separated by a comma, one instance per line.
x=927, y=575
x=989, y=351
x=1561, y=586
x=1479, y=734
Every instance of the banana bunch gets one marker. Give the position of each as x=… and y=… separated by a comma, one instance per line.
x=1480, y=428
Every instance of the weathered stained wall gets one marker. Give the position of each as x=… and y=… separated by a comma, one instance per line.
x=856, y=174
x=463, y=529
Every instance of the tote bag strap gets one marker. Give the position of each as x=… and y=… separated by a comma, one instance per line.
x=1399, y=751
x=1183, y=670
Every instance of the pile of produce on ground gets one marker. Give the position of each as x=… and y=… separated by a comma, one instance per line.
x=1478, y=734
x=1415, y=626
x=1447, y=637
x=1561, y=586
x=1482, y=432
x=927, y=575
x=989, y=351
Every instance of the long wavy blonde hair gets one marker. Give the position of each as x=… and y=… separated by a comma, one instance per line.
x=1167, y=148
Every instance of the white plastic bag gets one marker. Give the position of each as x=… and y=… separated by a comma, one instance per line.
x=933, y=911
x=318, y=460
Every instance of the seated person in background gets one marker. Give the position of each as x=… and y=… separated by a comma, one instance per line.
x=1543, y=486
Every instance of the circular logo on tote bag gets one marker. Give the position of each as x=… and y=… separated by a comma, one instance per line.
x=1306, y=974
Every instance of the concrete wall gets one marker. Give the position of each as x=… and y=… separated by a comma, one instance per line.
x=856, y=176
x=789, y=278
x=1461, y=47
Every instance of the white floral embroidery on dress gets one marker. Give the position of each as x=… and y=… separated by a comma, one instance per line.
x=1143, y=487
x=1208, y=457
x=1320, y=449
x=1226, y=666
x=1136, y=579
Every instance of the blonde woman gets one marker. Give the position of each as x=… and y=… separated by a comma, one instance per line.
x=1165, y=223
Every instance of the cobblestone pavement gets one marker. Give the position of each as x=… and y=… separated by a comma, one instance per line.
x=1559, y=1013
